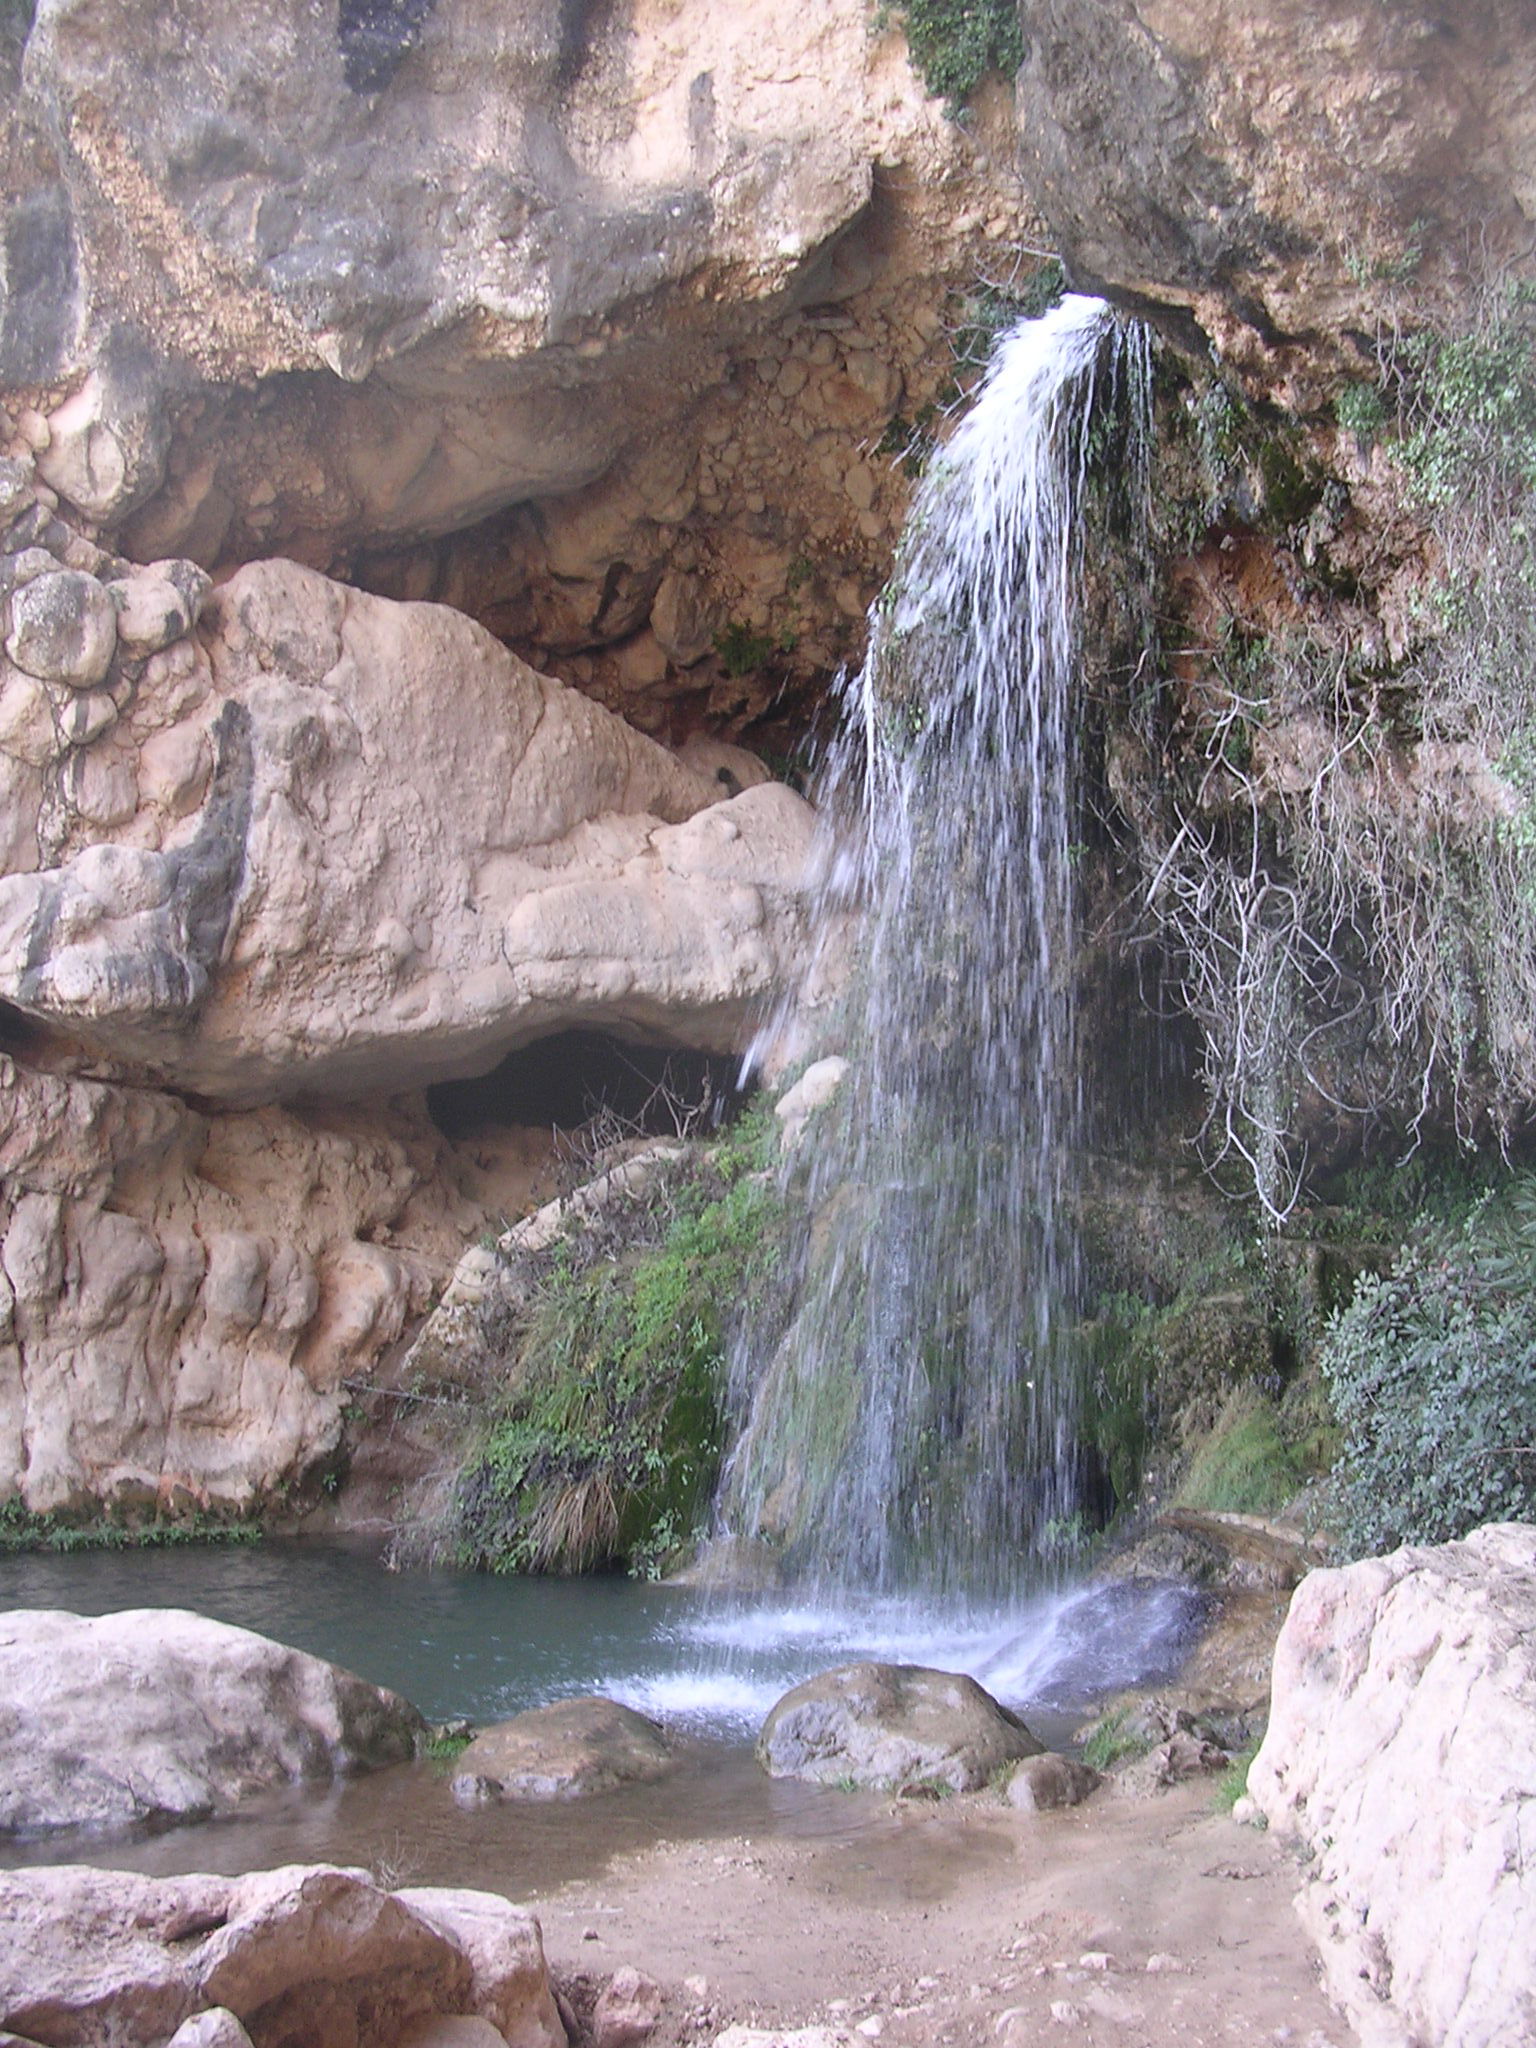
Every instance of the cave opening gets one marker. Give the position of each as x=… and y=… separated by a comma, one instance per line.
x=575, y=1078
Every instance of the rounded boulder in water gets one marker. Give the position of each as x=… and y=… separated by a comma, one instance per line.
x=892, y=1727
x=568, y=1750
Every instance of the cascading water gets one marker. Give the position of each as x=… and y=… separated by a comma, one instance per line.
x=916, y=1428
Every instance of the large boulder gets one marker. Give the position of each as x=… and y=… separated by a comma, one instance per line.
x=892, y=1726
x=1399, y=1757
x=157, y=1715
x=106, y=1959
x=567, y=1750
x=368, y=894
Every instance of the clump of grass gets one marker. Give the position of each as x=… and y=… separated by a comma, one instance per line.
x=1244, y=1466
x=446, y=1746
x=1233, y=1782
x=1114, y=1738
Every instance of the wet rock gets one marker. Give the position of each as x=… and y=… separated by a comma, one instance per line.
x=569, y=1750
x=1040, y=1784
x=160, y=1715
x=813, y=1091
x=892, y=1726
x=627, y=2009
x=1398, y=1757
x=63, y=629
x=1166, y=1764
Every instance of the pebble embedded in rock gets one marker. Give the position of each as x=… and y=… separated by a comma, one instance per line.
x=215, y=2027
x=15, y=486
x=63, y=629
x=151, y=612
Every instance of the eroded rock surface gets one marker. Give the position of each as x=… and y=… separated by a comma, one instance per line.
x=568, y=1750
x=158, y=1715
x=892, y=1725
x=377, y=892
x=307, y=1952
x=1399, y=1757
x=184, y=1297
x=1277, y=169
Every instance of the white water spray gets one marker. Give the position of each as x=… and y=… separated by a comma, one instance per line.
x=917, y=1428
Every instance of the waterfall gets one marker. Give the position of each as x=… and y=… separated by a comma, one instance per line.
x=916, y=1429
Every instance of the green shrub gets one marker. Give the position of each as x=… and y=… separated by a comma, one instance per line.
x=1433, y=1374
x=604, y=1447
x=955, y=43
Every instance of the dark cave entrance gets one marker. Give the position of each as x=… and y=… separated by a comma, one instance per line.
x=574, y=1078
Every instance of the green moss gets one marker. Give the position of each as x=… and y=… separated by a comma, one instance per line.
x=1244, y=1466
x=21, y=1530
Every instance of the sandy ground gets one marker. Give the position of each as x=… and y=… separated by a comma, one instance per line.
x=1129, y=1921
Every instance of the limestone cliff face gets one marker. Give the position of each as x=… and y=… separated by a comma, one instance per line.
x=628, y=294
x=346, y=350
x=585, y=319
x=1275, y=168
x=285, y=841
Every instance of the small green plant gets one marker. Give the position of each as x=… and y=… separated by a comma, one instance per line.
x=445, y=1747
x=743, y=651
x=1114, y=1739
x=1233, y=1782
x=1361, y=410
x=955, y=43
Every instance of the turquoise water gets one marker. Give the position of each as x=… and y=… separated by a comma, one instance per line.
x=468, y=1643
x=461, y=1643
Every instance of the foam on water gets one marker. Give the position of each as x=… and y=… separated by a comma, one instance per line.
x=720, y=1669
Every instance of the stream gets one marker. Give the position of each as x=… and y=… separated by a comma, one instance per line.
x=462, y=1643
